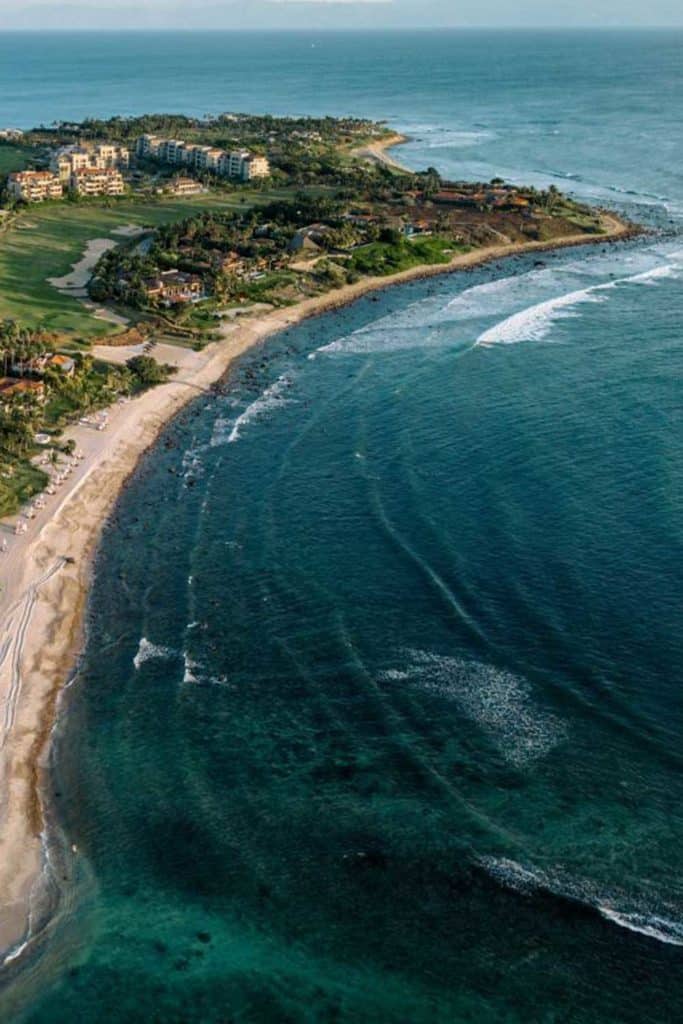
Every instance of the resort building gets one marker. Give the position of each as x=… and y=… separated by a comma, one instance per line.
x=241, y=165
x=106, y=155
x=310, y=239
x=12, y=388
x=68, y=160
x=147, y=147
x=37, y=366
x=170, y=151
x=212, y=159
x=173, y=287
x=197, y=156
x=232, y=263
x=34, y=186
x=254, y=167
x=91, y=181
x=65, y=364
x=185, y=187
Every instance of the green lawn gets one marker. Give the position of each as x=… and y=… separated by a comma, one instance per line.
x=15, y=158
x=46, y=240
x=383, y=258
x=26, y=480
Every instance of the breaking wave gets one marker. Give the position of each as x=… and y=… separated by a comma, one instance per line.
x=512, y=875
x=273, y=397
x=652, y=925
x=535, y=322
x=426, y=322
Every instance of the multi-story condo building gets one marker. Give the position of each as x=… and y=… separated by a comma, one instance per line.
x=147, y=147
x=35, y=186
x=212, y=159
x=69, y=159
x=107, y=155
x=199, y=156
x=236, y=162
x=254, y=166
x=170, y=150
x=241, y=164
x=95, y=181
x=245, y=165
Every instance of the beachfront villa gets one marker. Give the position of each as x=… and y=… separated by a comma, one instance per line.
x=241, y=165
x=174, y=287
x=34, y=186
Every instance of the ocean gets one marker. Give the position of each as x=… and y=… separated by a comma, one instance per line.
x=379, y=717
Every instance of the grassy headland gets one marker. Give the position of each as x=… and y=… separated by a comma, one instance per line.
x=332, y=215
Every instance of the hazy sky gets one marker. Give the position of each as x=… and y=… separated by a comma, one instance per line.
x=320, y=14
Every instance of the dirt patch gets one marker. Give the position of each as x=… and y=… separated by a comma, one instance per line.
x=133, y=336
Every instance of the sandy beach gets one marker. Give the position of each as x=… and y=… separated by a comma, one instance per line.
x=45, y=573
x=378, y=152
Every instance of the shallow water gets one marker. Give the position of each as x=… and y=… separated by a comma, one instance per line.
x=380, y=713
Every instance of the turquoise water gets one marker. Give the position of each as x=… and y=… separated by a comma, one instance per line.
x=379, y=717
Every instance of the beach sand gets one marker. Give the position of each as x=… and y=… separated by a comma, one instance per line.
x=378, y=152
x=43, y=596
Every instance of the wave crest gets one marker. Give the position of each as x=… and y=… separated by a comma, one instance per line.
x=521, y=878
x=272, y=398
x=535, y=322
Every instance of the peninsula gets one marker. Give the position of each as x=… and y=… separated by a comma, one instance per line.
x=138, y=259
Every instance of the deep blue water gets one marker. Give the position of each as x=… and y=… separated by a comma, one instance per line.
x=380, y=713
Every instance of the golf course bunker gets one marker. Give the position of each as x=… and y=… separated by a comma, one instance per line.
x=74, y=283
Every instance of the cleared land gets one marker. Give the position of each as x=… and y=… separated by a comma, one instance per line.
x=46, y=241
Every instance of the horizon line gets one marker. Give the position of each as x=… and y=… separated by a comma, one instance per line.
x=338, y=29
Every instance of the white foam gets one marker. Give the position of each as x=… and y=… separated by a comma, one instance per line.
x=461, y=139
x=272, y=398
x=524, y=879
x=192, y=464
x=656, y=274
x=501, y=294
x=655, y=927
x=395, y=675
x=536, y=321
x=422, y=323
x=513, y=875
x=147, y=650
x=190, y=669
x=500, y=702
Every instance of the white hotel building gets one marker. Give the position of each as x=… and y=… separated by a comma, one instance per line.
x=241, y=165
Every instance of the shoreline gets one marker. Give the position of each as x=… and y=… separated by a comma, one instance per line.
x=49, y=571
x=379, y=152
